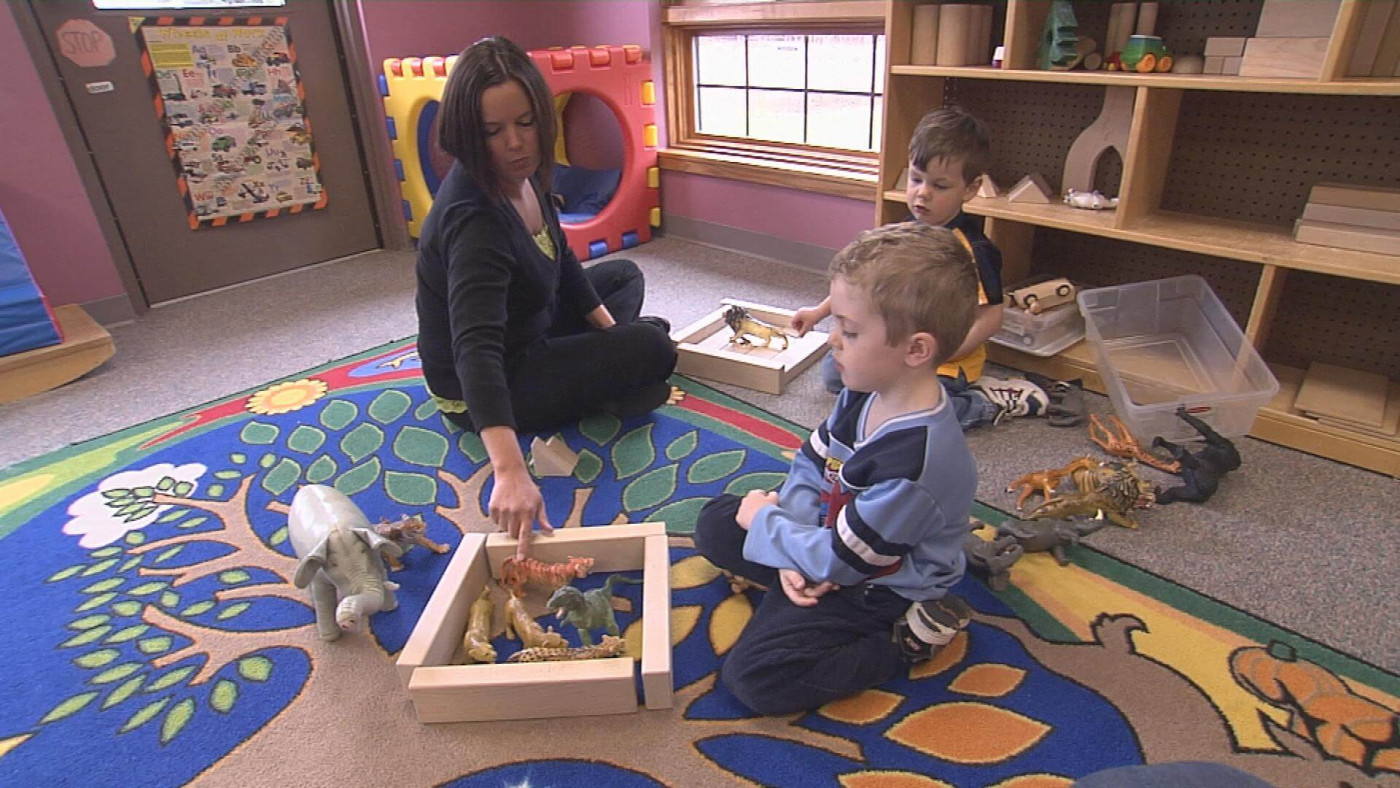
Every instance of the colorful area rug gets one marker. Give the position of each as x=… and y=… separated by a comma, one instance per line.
x=152, y=637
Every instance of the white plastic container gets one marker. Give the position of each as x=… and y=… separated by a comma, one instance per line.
x=1169, y=343
x=1044, y=334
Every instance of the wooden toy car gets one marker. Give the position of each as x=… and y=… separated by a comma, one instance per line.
x=1041, y=296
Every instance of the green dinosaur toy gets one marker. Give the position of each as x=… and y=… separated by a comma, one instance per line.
x=588, y=610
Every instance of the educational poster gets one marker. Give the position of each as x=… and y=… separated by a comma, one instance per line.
x=235, y=117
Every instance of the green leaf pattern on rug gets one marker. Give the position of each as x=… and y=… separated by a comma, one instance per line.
x=306, y=439
x=233, y=611
x=651, y=488
x=96, y=659
x=156, y=645
x=126, y=690
x=683, y=446
x=282, y=477
x=426, y=410
x=88, y=622
x=417, y=446
x=680, y=516
x=257, y=433
x=359, y=479
x=64, y=574
x=145, y=715
x=759, y=480
x=104, y=585
x=170, y=679
x=255, y=668
x=115, y=674
x=389, y=406
x=176, y=720
x=322, y=469
x=361, y=442
x=410, y=489
x=234, y=577
x=97, y=601
x=100, y=567
x=129, y=633
x=91, y=636
x=224, y=696
x=600, y=428
x=68, y=707
x=471, y=445
x=588, y=467
x=338, y=414
x=714, y=467
x=634, y=452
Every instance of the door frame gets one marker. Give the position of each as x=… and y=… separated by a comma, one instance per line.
x=365, y=102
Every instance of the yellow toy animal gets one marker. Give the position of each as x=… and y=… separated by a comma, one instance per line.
x=477, y=641
x=745, y=325
x=521, y=626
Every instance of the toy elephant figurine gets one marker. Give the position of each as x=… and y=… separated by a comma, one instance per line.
x=340, y=560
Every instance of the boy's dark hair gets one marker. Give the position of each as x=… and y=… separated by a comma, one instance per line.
x=461, y=131
x=951, y=133
x=918, y=278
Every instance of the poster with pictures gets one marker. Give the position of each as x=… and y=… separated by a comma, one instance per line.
x=235, y=116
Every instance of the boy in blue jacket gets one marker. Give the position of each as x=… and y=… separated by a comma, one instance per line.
x=863, y=542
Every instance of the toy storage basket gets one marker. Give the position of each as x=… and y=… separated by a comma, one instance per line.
x=1168, y=343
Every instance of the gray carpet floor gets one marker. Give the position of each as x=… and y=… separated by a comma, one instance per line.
x=1304, y=542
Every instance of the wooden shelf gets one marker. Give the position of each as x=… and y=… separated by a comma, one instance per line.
x=1277, y=422
x=1347, y=87
x=1254, y=243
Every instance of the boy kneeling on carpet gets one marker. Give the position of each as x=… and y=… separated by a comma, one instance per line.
x=865, y=536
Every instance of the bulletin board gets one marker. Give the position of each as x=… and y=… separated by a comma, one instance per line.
x=234, y=116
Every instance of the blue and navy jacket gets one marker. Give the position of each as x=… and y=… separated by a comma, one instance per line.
x=889, y=508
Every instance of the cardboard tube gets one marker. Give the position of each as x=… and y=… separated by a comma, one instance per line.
x=1147, y=19
x=923, y=44
x=955, y=23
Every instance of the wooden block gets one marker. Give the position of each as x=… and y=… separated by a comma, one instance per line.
x=1146, y=19
x=1031, y=189
x=1215, y=64
x=988, y=187
x=902, y=182
x=1359, y=217
x=956, y=23
x=980, y=48
x=1110, y=129
x=1388, y=53
x=1346, y=236
x=1299, y=58
x=442, y=692
x=923, y=36
x=705, y=351
x=1225, y=46
x=1297, y=18
x=1122, y=18
x=1368, y=42
x=1232, y=66
x=85, y=346
x=1390, y=424
x=1347, y=394
x=552, y=457
x=1376, y=198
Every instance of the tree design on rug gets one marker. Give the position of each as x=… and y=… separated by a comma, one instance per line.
x=186, y=632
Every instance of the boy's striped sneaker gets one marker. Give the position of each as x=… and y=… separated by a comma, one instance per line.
x=1015, y=397
x=929, y=626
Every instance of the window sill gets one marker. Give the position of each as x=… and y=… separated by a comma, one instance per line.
x=857, y=182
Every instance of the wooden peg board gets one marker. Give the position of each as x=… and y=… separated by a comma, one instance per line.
x=1345, y=322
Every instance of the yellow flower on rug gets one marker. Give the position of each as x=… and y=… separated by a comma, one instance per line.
x=286, y=397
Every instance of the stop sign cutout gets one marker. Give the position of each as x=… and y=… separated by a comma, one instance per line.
x=85, y=44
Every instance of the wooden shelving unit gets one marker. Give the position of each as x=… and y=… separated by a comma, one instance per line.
x=1163, y=163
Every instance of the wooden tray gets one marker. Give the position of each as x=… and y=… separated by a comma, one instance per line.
x=706, y=351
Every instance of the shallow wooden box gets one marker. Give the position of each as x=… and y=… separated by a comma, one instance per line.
x=706, y=352
x=442, y=692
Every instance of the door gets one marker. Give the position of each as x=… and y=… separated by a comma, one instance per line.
x=151, y=188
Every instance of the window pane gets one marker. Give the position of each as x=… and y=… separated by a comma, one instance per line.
x=719, y=60
x=878, y=123
x=835, y=120
x=879, y=64
x=775, y=115
x=777, y=61
x=721, y=111
x=841, y=63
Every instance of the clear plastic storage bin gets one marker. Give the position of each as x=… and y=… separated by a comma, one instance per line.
x=1168, y=343
x=1044, y=334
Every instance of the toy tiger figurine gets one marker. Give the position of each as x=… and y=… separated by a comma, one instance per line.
x=521, y=626
x=610, y=647
x=516, y=574
x=406, y=532
x=745, y=325
x=477, y=641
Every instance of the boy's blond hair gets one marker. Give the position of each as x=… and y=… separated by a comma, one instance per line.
x=951, y=133
x=918, y=278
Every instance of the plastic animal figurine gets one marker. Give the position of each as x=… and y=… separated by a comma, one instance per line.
x=1066, y=407
x=745, y=326
x=1092, y=201
x=520, y=626
x=1052, y=536
x=1046, y=481
x=610, y=647
x=994, y=558
x=407, y=532
x=588, y=610
x=1201, y=471
x=340, y=560
x=477, y=641
x=516, y=574
x=1122, y=444
x=1112, y=488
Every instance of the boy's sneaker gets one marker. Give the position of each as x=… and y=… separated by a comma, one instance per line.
x=1014, y=397
x=929, y=626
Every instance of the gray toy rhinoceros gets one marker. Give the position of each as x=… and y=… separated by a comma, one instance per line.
x=340, y=560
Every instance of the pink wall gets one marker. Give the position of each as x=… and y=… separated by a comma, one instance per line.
x=40, y=191
x=818, y=219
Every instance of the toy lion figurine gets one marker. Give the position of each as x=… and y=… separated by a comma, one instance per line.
x=745, y=325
